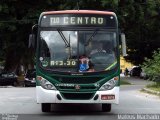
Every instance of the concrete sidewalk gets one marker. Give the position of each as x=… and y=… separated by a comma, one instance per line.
x=138, y=81
x=151, y=91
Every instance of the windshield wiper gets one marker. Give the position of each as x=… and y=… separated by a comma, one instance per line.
x=91, y=37
x=67, y=44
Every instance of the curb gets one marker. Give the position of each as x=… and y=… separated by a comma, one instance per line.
x=151, y=91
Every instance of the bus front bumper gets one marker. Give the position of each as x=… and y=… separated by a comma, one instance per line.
x=50, y=96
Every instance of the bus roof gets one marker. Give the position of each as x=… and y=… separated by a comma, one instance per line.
x=79, y=12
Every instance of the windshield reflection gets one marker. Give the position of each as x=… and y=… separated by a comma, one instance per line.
x=78, y=51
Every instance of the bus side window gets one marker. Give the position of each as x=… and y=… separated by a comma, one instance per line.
x=46, y=51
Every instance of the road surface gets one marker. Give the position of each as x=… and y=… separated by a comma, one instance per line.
x=22, y=101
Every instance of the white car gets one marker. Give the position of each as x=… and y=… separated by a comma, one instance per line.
x=143, y=75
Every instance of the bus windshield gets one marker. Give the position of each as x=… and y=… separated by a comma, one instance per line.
x=78, y=51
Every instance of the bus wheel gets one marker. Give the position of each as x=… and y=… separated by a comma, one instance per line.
x=106, y=107
x=46, y=107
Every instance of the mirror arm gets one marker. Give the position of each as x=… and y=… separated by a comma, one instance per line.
x=33, y=27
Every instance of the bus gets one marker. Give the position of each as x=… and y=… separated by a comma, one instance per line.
x=78, y=58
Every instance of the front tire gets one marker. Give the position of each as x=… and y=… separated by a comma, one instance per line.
x=106, y=107
x=46, y=107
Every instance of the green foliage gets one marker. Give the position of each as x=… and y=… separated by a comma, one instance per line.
x=152, y=66
x=154, y=86
x=138, y=20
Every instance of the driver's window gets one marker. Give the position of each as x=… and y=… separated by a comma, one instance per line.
x=45, y=52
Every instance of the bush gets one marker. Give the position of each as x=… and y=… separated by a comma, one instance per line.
x=152, y=67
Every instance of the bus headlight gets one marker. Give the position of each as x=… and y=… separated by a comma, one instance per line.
x=45, y=83
x=109, y=84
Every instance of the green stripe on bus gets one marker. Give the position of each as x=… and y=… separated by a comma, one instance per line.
x=111, y=65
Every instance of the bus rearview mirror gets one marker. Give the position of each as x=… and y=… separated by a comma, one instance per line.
x=123, y=41
x=31, y=41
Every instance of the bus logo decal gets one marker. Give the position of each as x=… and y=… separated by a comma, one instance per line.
x=77, y=87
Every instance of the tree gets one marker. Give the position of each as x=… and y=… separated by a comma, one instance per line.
x=151, y=66
x=138, y=19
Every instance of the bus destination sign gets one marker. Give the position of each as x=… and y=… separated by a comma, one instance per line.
x=77, y=21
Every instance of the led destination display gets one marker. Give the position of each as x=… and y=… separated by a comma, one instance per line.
x=78, y=20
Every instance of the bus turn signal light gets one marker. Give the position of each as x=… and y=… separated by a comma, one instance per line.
x=116, y=78
x=39, y=78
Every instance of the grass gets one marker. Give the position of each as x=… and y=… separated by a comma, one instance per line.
x=154, y=86
x=123, y=82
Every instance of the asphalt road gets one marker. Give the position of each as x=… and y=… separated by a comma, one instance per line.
x=22, y=102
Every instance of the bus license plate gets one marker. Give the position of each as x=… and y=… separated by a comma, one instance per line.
x=107, y=97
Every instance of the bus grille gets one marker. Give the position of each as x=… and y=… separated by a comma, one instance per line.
x=78, y=96
x=78, y=80
x=82, y=87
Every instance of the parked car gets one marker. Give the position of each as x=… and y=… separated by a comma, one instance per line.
x=135, y=71
x=129, y=70
x=29, y=79
x=8, y=78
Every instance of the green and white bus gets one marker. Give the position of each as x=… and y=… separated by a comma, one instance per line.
x=78, y=58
